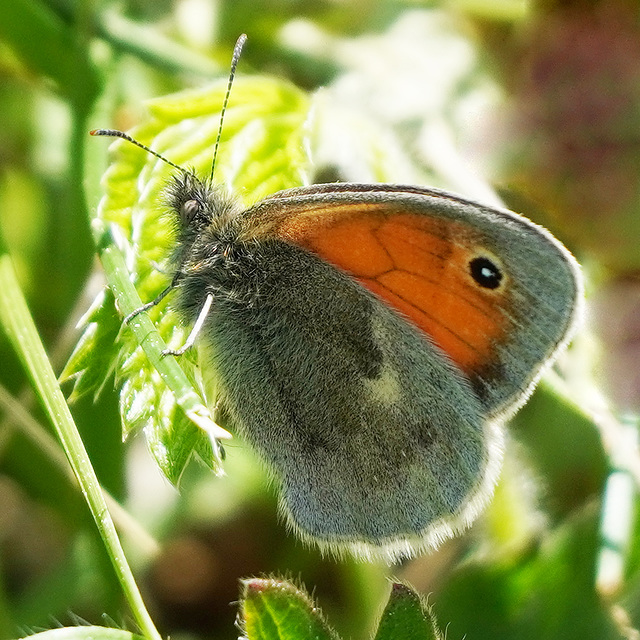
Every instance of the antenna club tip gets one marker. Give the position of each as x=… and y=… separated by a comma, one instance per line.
x=239, y=44
x=103, y=132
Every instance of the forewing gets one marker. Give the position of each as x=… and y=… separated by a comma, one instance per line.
x=413, y=248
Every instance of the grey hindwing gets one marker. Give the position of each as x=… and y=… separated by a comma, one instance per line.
x=370, y=429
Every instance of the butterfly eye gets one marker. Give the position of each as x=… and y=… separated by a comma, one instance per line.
x=486, y=272
x=188, y=211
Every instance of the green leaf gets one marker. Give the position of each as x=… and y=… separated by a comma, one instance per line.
x=93, y=359
x=173, y=439
x=85, y=633
x=277, y=610
x=274, y=609
x=407, y=617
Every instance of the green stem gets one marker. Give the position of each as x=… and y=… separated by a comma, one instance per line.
x=148, y=337
x=21, y=331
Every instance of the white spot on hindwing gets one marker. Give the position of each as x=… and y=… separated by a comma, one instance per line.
x=385, y=388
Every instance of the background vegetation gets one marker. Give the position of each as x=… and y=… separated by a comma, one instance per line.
x=539, y=99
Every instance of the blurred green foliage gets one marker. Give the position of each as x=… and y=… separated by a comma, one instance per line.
x=430, y=92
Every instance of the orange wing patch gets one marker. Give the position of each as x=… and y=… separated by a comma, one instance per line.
x=420, y=266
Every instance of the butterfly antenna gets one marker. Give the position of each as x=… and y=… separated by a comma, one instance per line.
x=237, y=50
x=115, y=133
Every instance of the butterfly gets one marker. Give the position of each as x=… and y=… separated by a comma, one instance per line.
x=368, y=341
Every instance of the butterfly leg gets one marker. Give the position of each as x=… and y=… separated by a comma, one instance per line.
x=202, y=316
x=148, y=305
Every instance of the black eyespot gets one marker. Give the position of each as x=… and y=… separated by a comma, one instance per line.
x=189, y=210
x=486, y=273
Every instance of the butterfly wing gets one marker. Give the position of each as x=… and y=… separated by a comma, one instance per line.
x=420, y=250
x=382, y=329
x=379, y=442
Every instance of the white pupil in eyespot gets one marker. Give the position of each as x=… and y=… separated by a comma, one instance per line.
x=486, y=273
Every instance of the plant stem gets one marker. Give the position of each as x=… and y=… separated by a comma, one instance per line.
x=128, y=301
x=21, y=331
